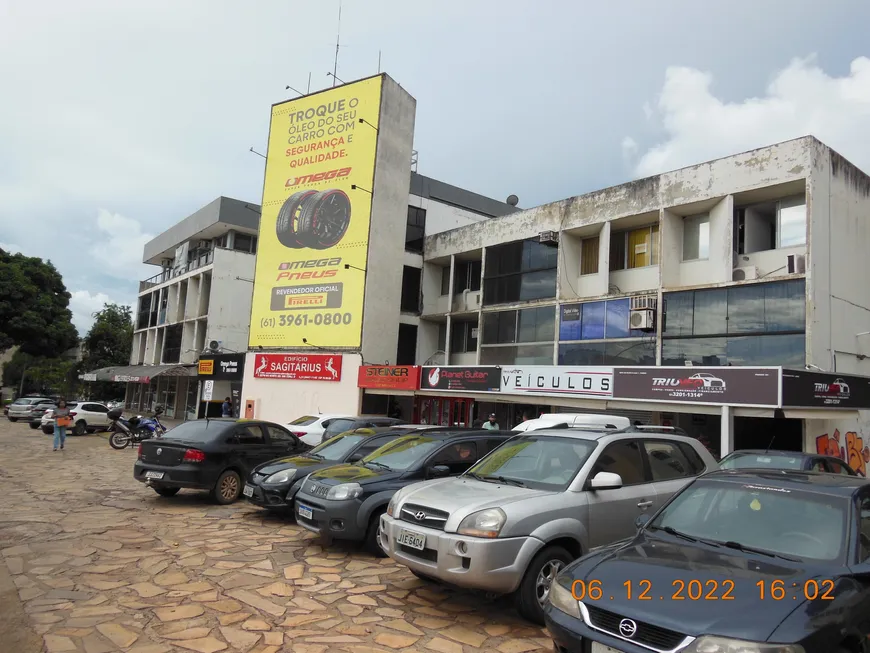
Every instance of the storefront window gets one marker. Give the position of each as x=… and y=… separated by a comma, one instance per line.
x=785, y=350
x=623, y=352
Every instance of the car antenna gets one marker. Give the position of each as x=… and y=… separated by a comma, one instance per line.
x=771, y=444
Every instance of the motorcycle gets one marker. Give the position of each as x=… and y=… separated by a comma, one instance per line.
x=127, y=432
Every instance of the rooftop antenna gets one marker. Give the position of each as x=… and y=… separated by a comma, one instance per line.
x=309, y=82
x=337, y=37
x=379, y=62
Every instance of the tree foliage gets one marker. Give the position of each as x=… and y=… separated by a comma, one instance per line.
x=44, y=376
x=108, y=344
x=34, y=307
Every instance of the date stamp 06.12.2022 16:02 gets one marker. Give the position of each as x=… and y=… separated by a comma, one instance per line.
x=702, y=590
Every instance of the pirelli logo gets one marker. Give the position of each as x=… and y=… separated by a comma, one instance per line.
x=291, y=298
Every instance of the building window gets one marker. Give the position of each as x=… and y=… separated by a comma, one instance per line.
x=754, y=324
x=442, y=336
x=523, y=270
x=222, y=241
x=410, y=301
x=637, y=248
x=463, y=337
x=244, y=243
x=696, y=237
x=771, y=225
x=415, y=231
x=517, y=355
x=445, y=281
x=601, y=335
x=144, y=311
x=589, y=255
x=466, y=276
x=527, y=325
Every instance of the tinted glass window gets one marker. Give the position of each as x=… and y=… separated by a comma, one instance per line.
x=711, y=312
x=337, y=448
x=740, y=460
x=305, y=420
x=818, y=465
x=592, y=321
x=199, y=431
x=666, y=460
x=404, y=452
x=458, y=456
x=746, y=309
x=693, y=457
x=623, y=458
x=250, y=434
x=837, y=467
x=373, y=444
x=337, y=426
x=864, y=534
x=277, y=435
x=679, y=314
x=757, y=516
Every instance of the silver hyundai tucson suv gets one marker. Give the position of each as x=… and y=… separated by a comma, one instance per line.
x=534, y=504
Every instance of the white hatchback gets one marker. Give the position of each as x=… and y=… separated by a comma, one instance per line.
x=87, y=416
x=310, y=428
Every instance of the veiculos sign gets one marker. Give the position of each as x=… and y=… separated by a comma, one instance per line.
x=561, y=381
x=389, y=377
x=298, y=367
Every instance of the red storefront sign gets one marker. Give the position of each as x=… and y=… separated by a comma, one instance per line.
x=389, y=377
x=298, y=367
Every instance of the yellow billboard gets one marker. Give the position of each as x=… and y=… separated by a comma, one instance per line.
x=314, y=225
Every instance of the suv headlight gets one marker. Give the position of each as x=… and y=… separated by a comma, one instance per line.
x=485, y=523
x=725, y=645
x=344, y=491
x=393, y=505
x=562, y=599
x=281, y=477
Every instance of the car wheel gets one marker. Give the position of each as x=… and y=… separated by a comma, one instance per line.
x=534, y=589
x=48, y=431
x=167, y=491
x=80, y=428
x=34, y=425
x=227, y=488
x=372, y=545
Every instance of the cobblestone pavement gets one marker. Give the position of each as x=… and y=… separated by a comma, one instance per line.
x=103, y=564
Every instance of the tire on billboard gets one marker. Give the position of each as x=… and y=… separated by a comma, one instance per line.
x=315, y=218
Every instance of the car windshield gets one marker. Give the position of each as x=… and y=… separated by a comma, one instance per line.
x=402, y=453
x=781, y=521
x=338, y=447
x=305, y=420
x=202, y=430
x=535, y=461
x=756, y=460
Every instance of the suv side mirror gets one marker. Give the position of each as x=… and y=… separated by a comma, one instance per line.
x=356, y=458
x=641, y=521
x=438, y=471
x=606, y=481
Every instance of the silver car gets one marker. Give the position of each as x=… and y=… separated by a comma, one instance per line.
x=27, y=407
x=534, y=504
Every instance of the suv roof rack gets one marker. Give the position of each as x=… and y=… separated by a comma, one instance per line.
x=653, y=428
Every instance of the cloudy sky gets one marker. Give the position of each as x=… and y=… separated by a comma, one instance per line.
x=120, y=117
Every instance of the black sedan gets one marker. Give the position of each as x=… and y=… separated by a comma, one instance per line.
x=273, y=485
x=211, y=454
x=761, y=459
x=737, y=562
x=346, y=501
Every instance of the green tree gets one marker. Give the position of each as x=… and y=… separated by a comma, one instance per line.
x=34, y=307
x=108, y=344
x=45, y=376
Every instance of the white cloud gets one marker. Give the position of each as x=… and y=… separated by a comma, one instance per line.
x=83, y=306
x=119, y=244
x=801, y=100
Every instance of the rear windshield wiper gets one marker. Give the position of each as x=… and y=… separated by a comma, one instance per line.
x=731, y=544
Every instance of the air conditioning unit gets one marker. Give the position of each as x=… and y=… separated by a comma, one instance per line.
x=549, y=237
x=797, y=263
x=644, y=302
x=643, y=319
x=744, y=273
x=214, y=346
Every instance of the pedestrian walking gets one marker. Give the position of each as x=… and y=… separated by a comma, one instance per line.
x=62, y=420
x=227, y=408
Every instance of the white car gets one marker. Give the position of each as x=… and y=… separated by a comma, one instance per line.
x=87, y=416
x=551, y=420
x=310, y=428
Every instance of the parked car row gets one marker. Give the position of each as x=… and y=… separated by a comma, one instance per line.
x=581, y=525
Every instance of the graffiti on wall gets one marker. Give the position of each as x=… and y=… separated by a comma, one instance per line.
x=851, y=451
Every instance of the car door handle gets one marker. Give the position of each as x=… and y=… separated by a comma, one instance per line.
x=644, y=504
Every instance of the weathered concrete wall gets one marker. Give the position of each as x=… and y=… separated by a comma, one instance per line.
x=776, y=164
x=380, y=330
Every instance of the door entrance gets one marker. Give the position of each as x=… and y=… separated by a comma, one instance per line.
x=443, y=411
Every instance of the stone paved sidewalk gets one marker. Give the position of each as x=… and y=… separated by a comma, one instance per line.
x=103, y=564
